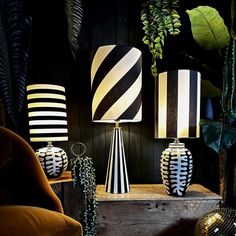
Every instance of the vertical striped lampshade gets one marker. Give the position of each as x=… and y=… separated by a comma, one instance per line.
x=116, y=80
x=177, y=104
x=47, y=113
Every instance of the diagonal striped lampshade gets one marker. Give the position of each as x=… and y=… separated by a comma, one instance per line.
x=177, y=104
x=47, y=113
x=116, y=79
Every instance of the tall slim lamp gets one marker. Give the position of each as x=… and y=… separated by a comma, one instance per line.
x=48, y=123
x=116, y=81
x=177, y=115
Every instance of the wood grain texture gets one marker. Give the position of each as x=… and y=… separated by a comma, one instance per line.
x=147, y=210
x=65, y=177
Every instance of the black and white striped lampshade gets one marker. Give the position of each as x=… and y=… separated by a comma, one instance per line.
x=47, y=113
x=177, y=104
x=116, y=80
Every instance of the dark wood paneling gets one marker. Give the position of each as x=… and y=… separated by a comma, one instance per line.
x=104, y=22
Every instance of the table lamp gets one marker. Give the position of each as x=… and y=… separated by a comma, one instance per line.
x=177, y=115
x=48, y=123
x=116, y=81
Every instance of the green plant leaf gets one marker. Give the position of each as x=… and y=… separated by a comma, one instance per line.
x=233, y=19
x=160, y=19
x=74, y=14
x=5, y=78
x=229, y=77
x=218, y=137
x=211, y=131
x=209, y=90
x=208, y=28
x=15, y=34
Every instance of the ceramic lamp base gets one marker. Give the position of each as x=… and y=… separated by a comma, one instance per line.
x=117, y=177
x=176, y=169
x=53, y=160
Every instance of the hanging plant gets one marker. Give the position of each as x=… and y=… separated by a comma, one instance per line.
x=84, y=177
x=15, y=32
x=74, y=13
x=159, y=18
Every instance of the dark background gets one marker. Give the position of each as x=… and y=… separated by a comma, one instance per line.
x=117, y=22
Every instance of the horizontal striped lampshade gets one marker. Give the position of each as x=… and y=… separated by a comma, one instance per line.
x=47, y=113
x=177, y=104
x=116, y=80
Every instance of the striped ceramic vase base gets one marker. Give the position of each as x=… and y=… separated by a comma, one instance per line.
x=117, y=177
x=176, y=169
x=53, y=160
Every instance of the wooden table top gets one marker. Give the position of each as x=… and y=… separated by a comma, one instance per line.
x=156, y=192
x=65, y=177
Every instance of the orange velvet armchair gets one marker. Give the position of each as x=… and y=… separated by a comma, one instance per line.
x=28, y=205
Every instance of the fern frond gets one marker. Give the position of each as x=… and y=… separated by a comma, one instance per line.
x=18, y=38
x=15, y=31
x=5, y=78
x=74, y=14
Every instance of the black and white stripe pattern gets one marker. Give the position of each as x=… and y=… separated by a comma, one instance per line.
x=47, y=113
x=116, y=80
x=177, y=104
x=117, y=177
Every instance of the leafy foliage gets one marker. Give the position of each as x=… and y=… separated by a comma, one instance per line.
x=74, y=13
x=233, y=19
x=15, y=29
x=85, y=183
x=160, y=18
x=209, y=90
x=208, y=28
x=218, y=136
x=229, y=90
x=5, y=78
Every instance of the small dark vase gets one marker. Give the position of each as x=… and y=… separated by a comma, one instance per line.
x=176, y=169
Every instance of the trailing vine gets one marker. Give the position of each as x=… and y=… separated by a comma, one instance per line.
x=84, y=177
x=160, y=18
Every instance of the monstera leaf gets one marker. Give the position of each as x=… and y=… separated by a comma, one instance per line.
x=15, y=31
x=208, y=28
x=218, y=136
x=74, y=21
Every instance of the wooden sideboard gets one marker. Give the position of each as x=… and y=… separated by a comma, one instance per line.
x=147, y=210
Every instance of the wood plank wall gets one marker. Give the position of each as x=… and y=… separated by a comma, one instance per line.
x=106, y=22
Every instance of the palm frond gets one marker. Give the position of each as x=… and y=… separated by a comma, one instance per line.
x=19, y=28
x=15, y=31
x=74, y=14
x=5, y=78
